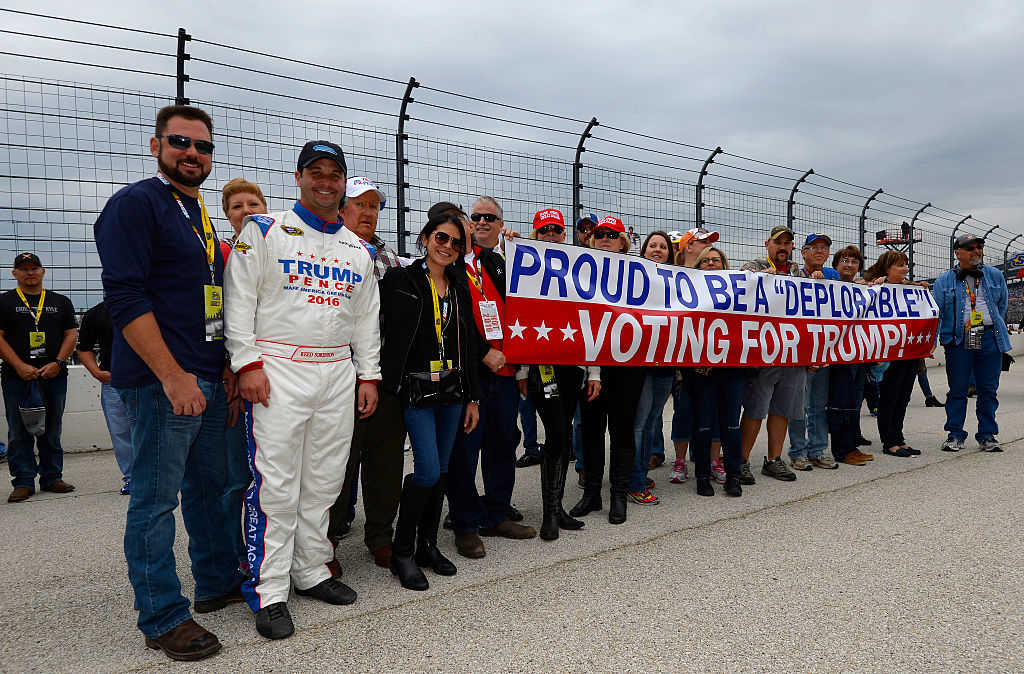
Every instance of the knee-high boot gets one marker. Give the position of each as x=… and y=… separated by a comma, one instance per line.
x=410, y=512
x=549, y=465
x=558, y=493
x=427, y=554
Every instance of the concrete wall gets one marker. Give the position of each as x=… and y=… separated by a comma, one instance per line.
x=85, y=430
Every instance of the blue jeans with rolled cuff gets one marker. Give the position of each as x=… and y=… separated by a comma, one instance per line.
x=22, y=445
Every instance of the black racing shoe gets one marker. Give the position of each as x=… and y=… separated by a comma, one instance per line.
x=331, y=591
x=274, y=621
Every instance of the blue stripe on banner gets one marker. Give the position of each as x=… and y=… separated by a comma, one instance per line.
x=255, y=520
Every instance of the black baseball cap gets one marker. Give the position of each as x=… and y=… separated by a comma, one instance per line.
x=321, y=149
x=22, y=258
x=966, y=240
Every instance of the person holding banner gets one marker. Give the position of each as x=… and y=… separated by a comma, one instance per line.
x=556, y=391
x=692, y=243
x=493, y=443
x=972, y=300
x=773, y=392
x=429, y=362
x=898, y=380
x=657, y=387
x=614, y=409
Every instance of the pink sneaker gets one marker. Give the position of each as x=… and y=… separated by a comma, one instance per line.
x=680, y=473
x=717, y=471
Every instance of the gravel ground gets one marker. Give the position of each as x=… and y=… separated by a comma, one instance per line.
x=905, y=564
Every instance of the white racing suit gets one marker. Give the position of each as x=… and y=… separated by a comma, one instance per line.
x=303, y=305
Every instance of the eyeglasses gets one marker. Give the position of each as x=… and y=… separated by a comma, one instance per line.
x=551, y=229
x=486, y=217
x=605, y=234
x=180, y=142
x=971, y=249
x=849, y=260
x=443, y=238
x=711, y=260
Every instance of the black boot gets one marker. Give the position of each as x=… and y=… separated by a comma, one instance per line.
x=704, y=487
x=617, y=508
x=410, y=511
x=558, y=489
x=549, y=519
x=590, y=503
x=427, y=554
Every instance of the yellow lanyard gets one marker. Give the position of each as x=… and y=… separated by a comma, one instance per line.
x=970, y=294
x=476, y=277
x=206, y=238
x=438, y=325
x=39, y=310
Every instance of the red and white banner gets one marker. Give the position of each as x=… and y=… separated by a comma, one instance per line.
x=571, y=305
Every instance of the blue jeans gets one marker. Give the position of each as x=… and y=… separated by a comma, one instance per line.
x=528, y=419
x=717, y=398
x=647, y=426
x=237, y=480
x=119, y=424
x=432, y=432
x=922, y=381
x=808, y=437
x=577, y=437
x=986, y=366
x=170, y=454
x=682, y=413
x=22, y=445
x=493, y=444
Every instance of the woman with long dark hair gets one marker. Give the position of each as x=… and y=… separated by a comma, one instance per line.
x=428, y=359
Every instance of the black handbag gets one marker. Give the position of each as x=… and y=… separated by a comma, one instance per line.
x=434, y=389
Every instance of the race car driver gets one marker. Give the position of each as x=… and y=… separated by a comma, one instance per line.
x=301, y=325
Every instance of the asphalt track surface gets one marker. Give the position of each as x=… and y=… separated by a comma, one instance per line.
x=901, y=565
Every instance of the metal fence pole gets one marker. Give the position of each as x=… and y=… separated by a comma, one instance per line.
x=576, y=166
x=910, y=247
x=1006, y=255
x=699, y=196
x=952, y=239
x=862, y=222
x=792, y=198
x=400, y=163
x=181, y=77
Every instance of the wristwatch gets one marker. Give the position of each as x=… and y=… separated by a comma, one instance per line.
x=62, y=363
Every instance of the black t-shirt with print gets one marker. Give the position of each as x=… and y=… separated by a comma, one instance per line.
x=16, y=322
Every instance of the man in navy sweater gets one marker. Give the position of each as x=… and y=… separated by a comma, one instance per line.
x=162, y=278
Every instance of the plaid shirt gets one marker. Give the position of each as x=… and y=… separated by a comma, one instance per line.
x=384, y=258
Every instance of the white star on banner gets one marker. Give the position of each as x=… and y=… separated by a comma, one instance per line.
x=568, y=333
x=542, y=331
x=517, y=330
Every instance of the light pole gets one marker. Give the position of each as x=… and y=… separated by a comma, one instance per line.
x=1006, y=254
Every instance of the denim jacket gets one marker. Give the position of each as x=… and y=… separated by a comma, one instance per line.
x=951, y=298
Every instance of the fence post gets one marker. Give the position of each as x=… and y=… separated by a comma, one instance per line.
x=910, y=244
x=400, y=162
x=862, y=223
x=181, y=77
x=576, y=166
x=1006, y=256
x=698, y=199
x=792, y=198
x=952, y=239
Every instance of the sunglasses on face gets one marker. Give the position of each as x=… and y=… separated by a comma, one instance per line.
x=443, y=238
x=551, y=229
x=971, y=249
x=486, y=217
x=180, y=142
x=605, y=234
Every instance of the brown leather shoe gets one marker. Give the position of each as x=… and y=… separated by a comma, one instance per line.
x=59, y=487
x=861, y=455
x=187, y=641
x=382, y=556
x=852, y=459
x=509, y=529
x=470, y=545
x=19, y=494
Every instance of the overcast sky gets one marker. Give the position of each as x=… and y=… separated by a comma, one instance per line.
x=923, y=98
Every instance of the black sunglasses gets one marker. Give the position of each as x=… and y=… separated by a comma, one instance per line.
x=971, y=249
x=180, y=142
x=551, y=229
x=486, y=217
x=605, y=234
x=442, y=238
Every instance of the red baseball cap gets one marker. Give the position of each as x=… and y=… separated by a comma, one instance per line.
x=612, y=223
x=549, y=216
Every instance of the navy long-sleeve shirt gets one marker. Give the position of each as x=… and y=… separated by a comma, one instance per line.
x=153, y=261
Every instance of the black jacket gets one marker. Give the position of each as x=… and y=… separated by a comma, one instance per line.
x=405, y=294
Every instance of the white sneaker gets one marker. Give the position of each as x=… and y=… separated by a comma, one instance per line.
x=952, y=445
x=680, y=473
x=990, y=445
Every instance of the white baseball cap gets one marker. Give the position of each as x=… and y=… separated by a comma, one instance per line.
x=360, y=185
